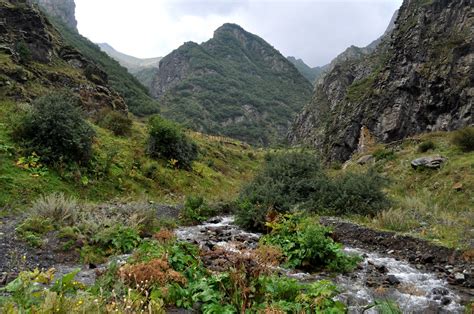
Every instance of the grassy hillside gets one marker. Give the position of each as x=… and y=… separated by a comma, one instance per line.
x=432, y=204
x=134, y=93
x=121, y=169
x=235, y=85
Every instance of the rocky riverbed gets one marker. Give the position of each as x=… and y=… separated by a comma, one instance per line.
x=379, y=276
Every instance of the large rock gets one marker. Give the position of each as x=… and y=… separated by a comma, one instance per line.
x=433, y=162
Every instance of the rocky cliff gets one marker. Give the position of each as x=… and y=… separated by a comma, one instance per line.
x=418, y=79
x=235, y=84
x=35, y=60
x=64, y=10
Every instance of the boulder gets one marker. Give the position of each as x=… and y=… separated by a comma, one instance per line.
x=432, y=162
x=365, y=159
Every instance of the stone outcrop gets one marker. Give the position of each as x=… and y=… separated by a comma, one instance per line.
x=64, y=10
x=418, y=79
x=34, y=61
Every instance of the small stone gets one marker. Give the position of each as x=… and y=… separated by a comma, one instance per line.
x=393, y=280
x=440, y=291
x=459, y=277
x=445, y=301
x=365, y=159
x=391, y=252
x=381, y=268
x=457, y=186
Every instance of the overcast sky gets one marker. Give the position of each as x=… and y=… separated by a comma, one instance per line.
x=314, y=30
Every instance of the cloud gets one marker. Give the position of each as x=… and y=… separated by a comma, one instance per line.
x=314, y=30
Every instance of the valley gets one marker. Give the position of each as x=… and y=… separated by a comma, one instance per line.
x=225, y=177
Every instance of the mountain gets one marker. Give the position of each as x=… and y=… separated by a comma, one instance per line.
x=418, y=79
x=133, y=64
x=311, y=74
x=35, y=59
x=235, y=85
x=134, y=93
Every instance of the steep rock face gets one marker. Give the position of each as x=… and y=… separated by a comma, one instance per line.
x=418, y=79
x=34, y=60
x=61, y=9
x=235, y=85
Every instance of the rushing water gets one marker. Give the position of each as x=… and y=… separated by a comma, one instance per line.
x=413, y=290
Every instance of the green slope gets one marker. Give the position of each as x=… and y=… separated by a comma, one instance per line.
x=235, y=85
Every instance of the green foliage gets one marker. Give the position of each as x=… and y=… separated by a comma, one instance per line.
x=56, y=130
x=464, y=139
x=297, y=180
x=168, y=141
x=384, y=307
x=119, y=238
x=33, y=228
x=135, y=94
x=196, y=210
x=355, y=193
x=426, y=146
x=33, y=165
x=23, y=52
x=306, y=244
x=117, y=122
x=234, y=90
x=384, y=154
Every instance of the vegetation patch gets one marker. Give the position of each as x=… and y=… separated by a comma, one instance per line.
x=56, y=130
x=296, y=180
x=307, y=245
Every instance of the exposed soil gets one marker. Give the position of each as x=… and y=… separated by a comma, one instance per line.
x=17, y=255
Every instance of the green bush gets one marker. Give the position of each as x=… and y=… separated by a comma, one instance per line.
x=167, y=140
x=384, y=154
x=23, y=52
x=117, y=122
x=426, y=146
x=56, y=130
x=307, y=245
x=354, y=193
x=464, y=139
x=297, y=180
x=196, y=210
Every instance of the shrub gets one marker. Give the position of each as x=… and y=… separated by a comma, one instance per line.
x=306, y=244
x=353, y=193
x=56, y=131
x=286, y=180
x=167, y=140
x=296, y=180
x=196, y=210
x=426, y=146
x=119, y=238
x=117, y=122
x=57, y=207
x=23, y=52
x=154, y=272
x=464, y=139
x=384, y=154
